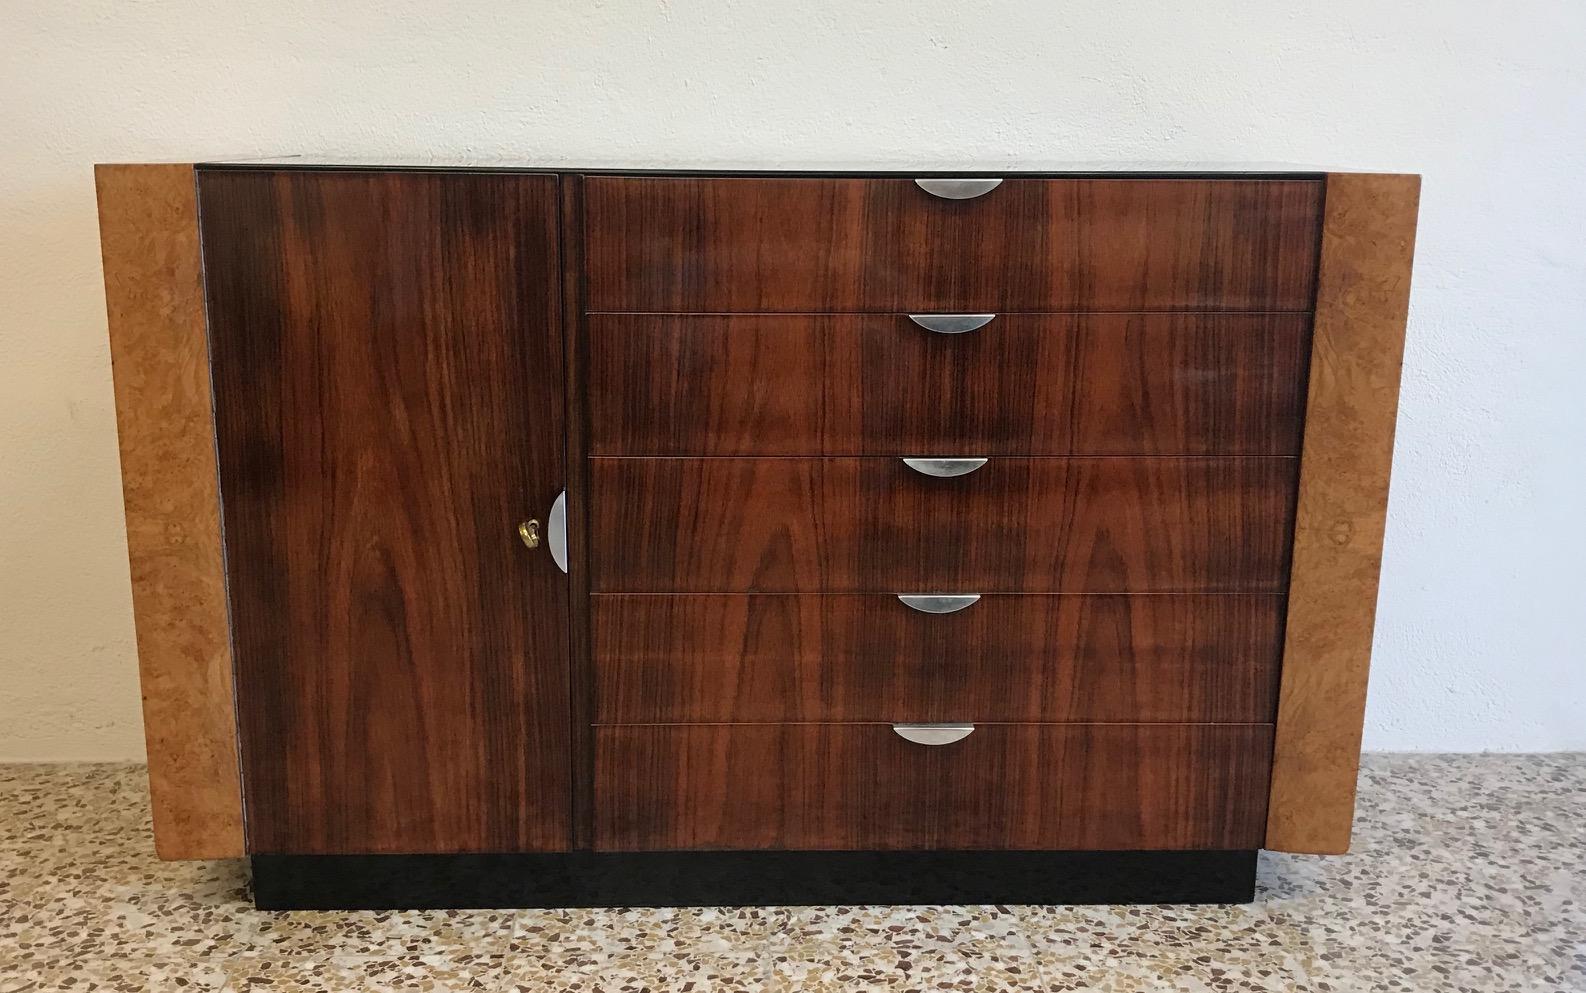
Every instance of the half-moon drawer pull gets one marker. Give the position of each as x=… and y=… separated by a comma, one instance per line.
x=958, y=189
x=944, y=468
x=933, y=734
x=936, y=604
x=557, y=528
x=952, y=323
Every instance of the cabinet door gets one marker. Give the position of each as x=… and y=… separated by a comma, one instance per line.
x=387, y=362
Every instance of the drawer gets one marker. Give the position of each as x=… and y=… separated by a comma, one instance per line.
x=874, y=525
x=741, y=244
x=809, y=657
x=862, y=786
x=1024, y=384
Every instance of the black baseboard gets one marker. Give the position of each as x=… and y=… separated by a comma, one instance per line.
x=747, y=879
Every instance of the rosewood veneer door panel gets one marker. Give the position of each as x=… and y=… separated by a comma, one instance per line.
x=861, y=786
x=744, y=244
x=389, y=404
x=1025, y=384
x=807, y=657
x=873, y=525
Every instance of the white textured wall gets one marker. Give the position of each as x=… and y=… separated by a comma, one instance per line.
x=1479, y=643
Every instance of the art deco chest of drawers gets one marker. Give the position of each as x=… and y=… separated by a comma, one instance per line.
x=513, y=537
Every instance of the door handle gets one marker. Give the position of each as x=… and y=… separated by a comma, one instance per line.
x=958, y=189
x=952, y=323
x=933, y=734
x=944, y=468
x=556, y=530
x=937, y=604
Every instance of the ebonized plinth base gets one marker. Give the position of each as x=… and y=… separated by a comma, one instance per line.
x=680, y=879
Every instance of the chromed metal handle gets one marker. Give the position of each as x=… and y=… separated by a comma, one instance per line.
x=958, y=189
x=556, y=530
x=944, y=468
x=952, y=323
x=938, y=604
x=933, y=734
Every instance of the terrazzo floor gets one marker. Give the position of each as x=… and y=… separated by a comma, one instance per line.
x=1469, y=874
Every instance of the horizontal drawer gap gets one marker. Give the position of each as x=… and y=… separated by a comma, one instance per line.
x=894, y=593
x=904, y=314
x=893, y=458
x=947, y=455
x=982, y=593
x=1125, y=172
x=888, y=724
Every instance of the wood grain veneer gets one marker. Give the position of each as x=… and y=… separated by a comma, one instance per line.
x=773, y=657
x=1362, y=302
x=389, y=403
x=842, y=245
x=873, y=525
x=148, y=228
x=860, y=786
x=1132, y=384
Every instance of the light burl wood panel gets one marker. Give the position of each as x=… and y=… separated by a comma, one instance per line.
x=148, y=228
x=1363, y=290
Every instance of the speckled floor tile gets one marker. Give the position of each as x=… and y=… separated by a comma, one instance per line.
x=1469, y=874
x=1189, y=948
x=371, y=933
x=1065, y=931
x=663, y=930
x=639, y=972
x=175, y=910
x=1442, y=973
x=970, y=929
x=143, y=925
x=848, y=968
x=876, y=970
x=1190, y=970
x=103, y=891
x=903, y=948
x=402, y=974
x=113, y=976
x=100, y=806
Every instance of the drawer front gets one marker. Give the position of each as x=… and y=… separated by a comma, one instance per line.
x=1025, y=384
x=805, y=657
x=739, y=244
x=862, y=786
x=873, y=525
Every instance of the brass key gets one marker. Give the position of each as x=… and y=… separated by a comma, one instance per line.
x=529, y=531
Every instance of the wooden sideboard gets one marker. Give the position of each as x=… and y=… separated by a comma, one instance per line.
x=508, y=536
